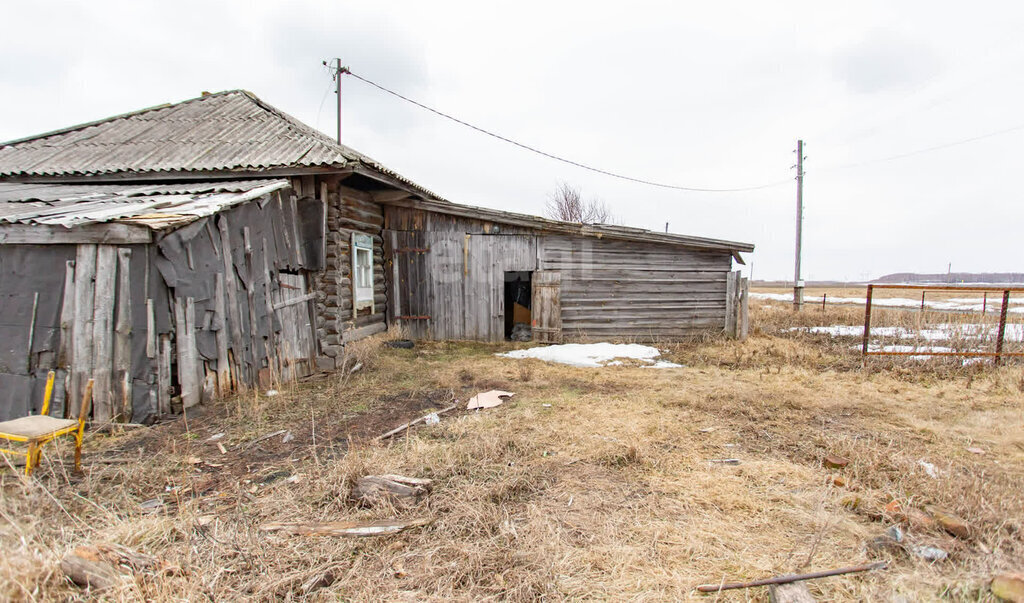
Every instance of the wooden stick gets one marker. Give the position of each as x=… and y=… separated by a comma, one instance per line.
x=405, y=426
x=346, y=528
x=714, y=588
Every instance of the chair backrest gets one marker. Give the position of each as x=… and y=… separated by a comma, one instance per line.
x=83, y=412
x=48, y=393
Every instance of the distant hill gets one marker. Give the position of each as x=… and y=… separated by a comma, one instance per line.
x=953, y=278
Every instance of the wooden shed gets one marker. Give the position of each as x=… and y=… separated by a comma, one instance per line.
x=459, y=272
x=182, y=251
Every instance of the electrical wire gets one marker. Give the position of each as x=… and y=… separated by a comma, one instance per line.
x=346, y=71
x=937, y=147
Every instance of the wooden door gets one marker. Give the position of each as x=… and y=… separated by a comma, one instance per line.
x=406, y=254
x=296, y=342
x=547, y=306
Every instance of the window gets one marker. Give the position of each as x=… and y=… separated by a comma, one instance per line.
x=362, y=272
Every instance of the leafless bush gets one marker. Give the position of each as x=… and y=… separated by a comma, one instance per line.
x=567, y=204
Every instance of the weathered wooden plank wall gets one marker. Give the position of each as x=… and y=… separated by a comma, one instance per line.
x=640, y=291
x=609, y=288
x=450, y=284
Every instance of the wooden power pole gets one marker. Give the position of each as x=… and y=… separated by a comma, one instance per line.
x=798, y=284
x=337, y=91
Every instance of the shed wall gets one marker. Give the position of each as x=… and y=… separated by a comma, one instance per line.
x=446, y=274
x=636, y=290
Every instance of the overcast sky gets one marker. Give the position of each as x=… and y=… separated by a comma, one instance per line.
x=699, y=94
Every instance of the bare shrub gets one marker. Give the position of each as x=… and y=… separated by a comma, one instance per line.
x=566, y=203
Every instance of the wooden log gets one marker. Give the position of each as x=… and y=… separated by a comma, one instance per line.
x=744, y=328
x=103, y=332
x=102, y=566
x=360, y=529
x=122, y=410
x=398, y=490
x=405, y=426
x=789, y=593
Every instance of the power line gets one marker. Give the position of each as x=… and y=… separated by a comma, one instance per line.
x=345, y=70
x=937, y=147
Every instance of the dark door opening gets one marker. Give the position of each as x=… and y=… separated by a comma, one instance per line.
x=518, y=299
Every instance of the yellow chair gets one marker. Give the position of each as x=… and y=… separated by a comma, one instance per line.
x=37, y=430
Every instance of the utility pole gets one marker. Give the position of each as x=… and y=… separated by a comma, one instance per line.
x=666, y=226
x=798, y=284
x=337, y=91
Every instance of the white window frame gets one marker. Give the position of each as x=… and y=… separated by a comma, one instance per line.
x=362, y=274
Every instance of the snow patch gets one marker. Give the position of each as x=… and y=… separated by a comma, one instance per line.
x=958, y=304
x=594, y=354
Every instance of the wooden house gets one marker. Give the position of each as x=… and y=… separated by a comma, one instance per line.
x=185, y=250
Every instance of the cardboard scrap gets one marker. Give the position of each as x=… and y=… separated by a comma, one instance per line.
x=488, y=399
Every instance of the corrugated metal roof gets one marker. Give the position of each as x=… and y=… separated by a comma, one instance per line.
x=157, y=206
x=226, y=131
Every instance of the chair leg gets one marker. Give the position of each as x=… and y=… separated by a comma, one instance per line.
x=78, y=448
x=32, y=458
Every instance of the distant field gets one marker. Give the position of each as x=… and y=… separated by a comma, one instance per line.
x=812, y=293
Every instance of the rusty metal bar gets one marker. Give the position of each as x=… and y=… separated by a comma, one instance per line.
x=867, y=318
x=1002, y=326
x=924, y=353
x=714, y=588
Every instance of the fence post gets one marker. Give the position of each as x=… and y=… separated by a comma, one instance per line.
x=1002, y=326
x=867, y=321
x=984, y=303
x=823, y=296
x=922, y=301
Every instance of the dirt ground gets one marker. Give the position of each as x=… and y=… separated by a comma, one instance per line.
x=588, y=484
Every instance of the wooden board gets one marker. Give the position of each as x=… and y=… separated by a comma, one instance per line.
x=547, y=306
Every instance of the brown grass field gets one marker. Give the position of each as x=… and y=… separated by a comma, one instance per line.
x=588, y=484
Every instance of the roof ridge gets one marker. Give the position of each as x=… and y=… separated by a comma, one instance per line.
x=97, y=122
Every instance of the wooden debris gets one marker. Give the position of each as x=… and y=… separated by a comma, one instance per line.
x=405, y=426
x=102, y=566
x=713, y=588
x=725, y=461
x=835, y=462
x=346, y=528
x=264, y=437
x=371, y=490
x=950, y=523
x=794, y=592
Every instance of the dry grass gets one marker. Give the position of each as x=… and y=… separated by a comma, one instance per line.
x=590, y=483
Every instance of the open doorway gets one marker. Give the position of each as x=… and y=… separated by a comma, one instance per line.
x=518, y=299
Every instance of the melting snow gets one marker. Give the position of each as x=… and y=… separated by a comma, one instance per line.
x=594, y=354
x=938, y=332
